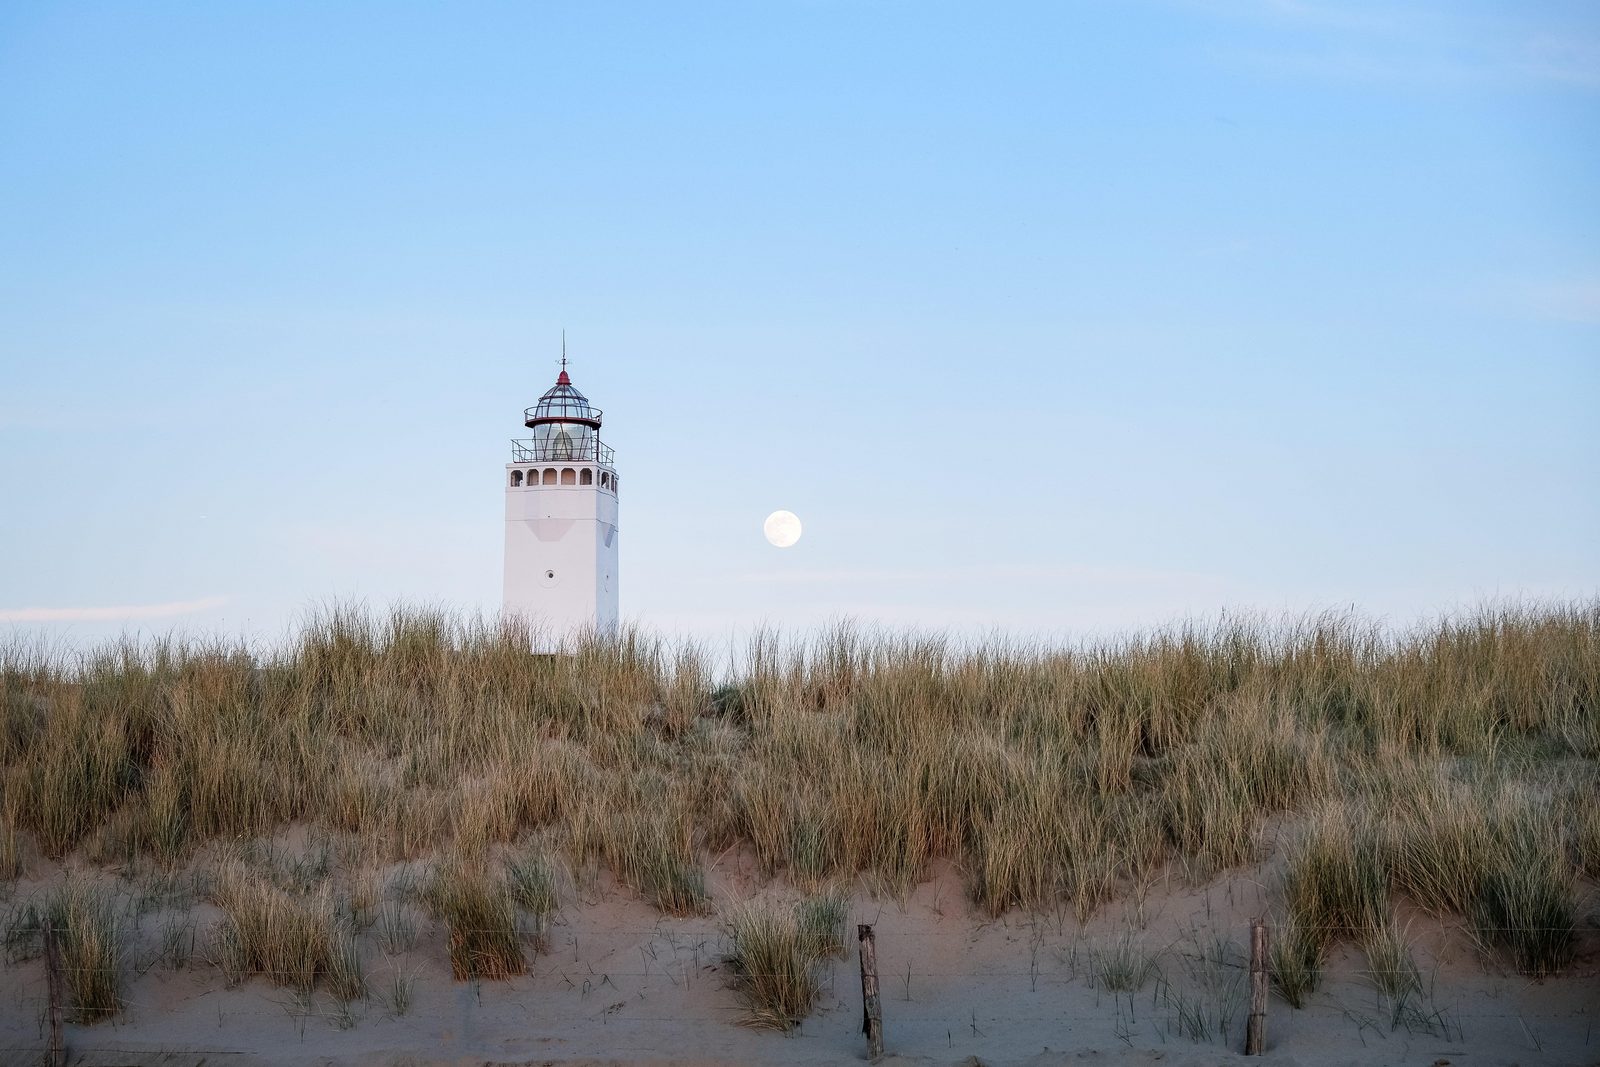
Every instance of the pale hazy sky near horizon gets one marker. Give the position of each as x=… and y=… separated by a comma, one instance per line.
x=1052, y=318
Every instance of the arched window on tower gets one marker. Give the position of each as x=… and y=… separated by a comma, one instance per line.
x=605, y=480
x=569, y=476
x=516, y=479
x=586, y=477
x=549, y=476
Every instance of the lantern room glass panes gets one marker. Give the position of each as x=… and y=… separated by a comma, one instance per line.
x=564, y=440
x=566, y=428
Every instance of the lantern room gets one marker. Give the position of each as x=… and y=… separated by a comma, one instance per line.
x=565, y=426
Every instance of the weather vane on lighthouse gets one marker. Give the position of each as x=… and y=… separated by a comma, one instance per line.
x=561, y=518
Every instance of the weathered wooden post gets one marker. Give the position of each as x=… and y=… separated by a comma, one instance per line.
x=871, y=1007
x=52, y=969
x=1255, y=1036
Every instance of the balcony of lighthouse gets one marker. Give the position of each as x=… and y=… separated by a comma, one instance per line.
x=562, y=448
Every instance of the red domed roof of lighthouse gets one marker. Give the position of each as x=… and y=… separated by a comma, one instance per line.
x=562, y=403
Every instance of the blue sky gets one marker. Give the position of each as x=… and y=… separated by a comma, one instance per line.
x=1053, y=318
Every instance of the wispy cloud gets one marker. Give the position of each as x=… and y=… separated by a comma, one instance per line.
x=117, y=613
x=1417, y=43
x=1130, y=576
x=39, y=419
x=1567, y=58
x=1573, y=301
x=1330, y=15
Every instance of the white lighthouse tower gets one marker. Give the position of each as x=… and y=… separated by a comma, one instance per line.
x=561, y=518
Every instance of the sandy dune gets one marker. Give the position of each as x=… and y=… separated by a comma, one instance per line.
x=621, y=984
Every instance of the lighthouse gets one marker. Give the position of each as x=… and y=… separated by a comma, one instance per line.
x=561, y=519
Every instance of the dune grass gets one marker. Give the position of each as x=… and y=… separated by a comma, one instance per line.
x=1296, y=961
x=1123, y=964
x=1335, y=886
x=776, y=949
x=1390, y=967
x=480, y=911
x=532, y=880
x=1454, y=765
x=291, y=939
x=87, y=918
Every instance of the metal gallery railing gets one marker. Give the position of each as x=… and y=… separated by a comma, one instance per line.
x=580, y=451
x=562, y=410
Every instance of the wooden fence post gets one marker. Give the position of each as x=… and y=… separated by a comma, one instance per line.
x=52, y=970
x=1255, y=1037
x=871, y=1007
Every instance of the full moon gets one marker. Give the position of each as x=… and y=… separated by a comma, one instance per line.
x=782, y=528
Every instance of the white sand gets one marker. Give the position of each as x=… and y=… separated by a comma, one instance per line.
x=620, y=984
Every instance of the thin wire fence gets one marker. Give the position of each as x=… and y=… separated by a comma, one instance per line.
x=1448, y=1023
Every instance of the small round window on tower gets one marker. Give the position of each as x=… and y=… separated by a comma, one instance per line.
x=549, y=574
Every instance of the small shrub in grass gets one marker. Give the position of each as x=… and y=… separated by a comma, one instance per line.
x=481, y=914
x=675, y=885
x=24, y=921
x=1435, y=854
x=533, y=883
x=89, y=927
x=1334, y=884
x=1296, y=961
x=1208, y=813
x=1389, y=965
x=400, y=990
x=177, y=941
x=291, y=940
x=822, y=922
x=1123, y=965
x=532, y=880
x=1008, y=868
x=776, y=950
x=651, y=850
x=165, y=828
x=1498, y=858
x=397, y=928
x=88, y=938
x=345, y=976
x=1526, y=910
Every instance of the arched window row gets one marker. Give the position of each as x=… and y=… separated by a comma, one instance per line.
x=563, y=476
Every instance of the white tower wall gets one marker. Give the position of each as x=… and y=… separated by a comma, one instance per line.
x=561, y=547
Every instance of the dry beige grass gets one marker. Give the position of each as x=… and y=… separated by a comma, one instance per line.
x=1455, y=765
x=291, y=939
x=480, y=912
x=776, y=952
